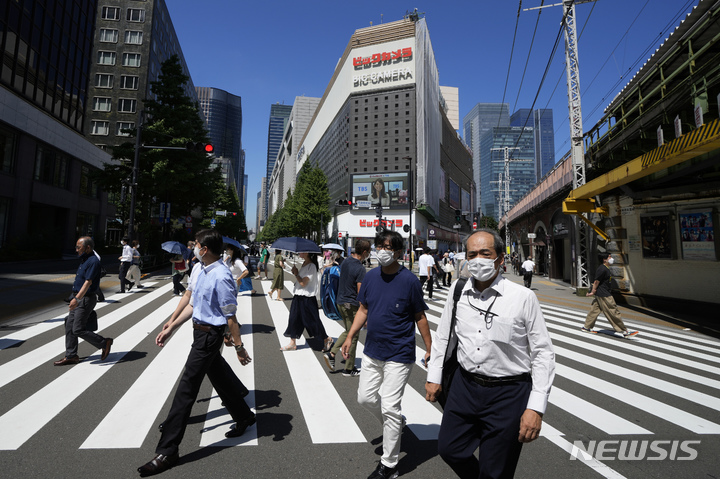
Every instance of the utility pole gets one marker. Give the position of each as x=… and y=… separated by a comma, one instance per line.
x=577, y=153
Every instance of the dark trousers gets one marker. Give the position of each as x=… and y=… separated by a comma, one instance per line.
x=527, y=279
x=482, y=417
x=423, y=280
x=75, y=325
x=178, y=288
x=124, y=267
x=204, y=360
x=304, y=316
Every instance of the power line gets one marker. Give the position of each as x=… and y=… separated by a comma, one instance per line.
x=512, y=50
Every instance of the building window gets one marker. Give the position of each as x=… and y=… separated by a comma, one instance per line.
x=135, y=15
x=88, y=187
x=108, y=35
x=103, y=80
x=127, y=105
x=110, y=13
x=131, y=60
x=124, y=125
x=106, y=58
x=51, y=167
x=133, y=37
x=100, y=128
x=102, y=104
x=129, y=82
x=7, y=151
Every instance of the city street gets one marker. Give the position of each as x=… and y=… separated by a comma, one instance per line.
x=654, y=398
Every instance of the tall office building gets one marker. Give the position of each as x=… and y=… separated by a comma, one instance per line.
x=542, y=123
x=521, y=144
x=479, y=120
x=279, y=116
x=261, y=205
x=47, y=195
x=223, y=115
x=243, y=200
x=132, y=39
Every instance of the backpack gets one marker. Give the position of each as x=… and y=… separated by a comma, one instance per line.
x=328, y=291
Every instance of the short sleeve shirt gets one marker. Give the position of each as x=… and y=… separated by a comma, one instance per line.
x=214, y=295
x=352, y=272
x=89, y=270
x=603, y=276
x=392, y=300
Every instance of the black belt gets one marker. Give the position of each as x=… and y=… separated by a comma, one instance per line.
x=491, y=382
x=208, y=327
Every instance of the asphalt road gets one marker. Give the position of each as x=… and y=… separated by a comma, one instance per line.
x=99, y=419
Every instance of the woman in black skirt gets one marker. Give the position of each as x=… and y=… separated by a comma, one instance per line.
x=304, y=306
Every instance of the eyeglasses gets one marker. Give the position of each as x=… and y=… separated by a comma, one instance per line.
x=488, y=322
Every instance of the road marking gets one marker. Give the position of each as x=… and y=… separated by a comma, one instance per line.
x=129, y=421
x=38, y=356
x=24, y=420
x=324, y=411
x=218, y=420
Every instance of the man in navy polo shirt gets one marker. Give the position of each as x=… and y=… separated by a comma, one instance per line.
x=392, y=305
x=82, y=303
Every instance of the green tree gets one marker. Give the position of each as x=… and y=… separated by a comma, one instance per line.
x=185, y=179
x=310, y=208
x=232, y=225
x=488, y=222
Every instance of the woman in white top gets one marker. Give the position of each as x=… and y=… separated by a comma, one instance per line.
x=304, y=306
x=240, y=272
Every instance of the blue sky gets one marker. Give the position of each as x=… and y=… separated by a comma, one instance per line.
x=272, y=51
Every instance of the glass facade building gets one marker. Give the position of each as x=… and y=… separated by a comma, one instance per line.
x=223, y=114
x=279, y=115
x=542, y=123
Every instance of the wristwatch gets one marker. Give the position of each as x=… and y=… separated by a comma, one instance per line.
x=239, y=348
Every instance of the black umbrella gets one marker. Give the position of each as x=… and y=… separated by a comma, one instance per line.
x=296, y=245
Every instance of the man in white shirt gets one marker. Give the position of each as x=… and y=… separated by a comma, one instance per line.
x=528, y=268
x=125, y=262
x=426, y=263
x=506, y=367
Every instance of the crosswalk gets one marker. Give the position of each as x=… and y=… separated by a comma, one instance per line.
x=665, y=380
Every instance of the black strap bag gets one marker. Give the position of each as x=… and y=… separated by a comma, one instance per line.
x=450, y=364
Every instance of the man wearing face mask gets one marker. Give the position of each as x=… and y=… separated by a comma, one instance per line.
x=506, y=367
x=604, y=302
x=391, y=303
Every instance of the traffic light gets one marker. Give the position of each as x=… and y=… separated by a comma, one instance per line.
x=345, y=202
x=458, y=216
x=199, y=146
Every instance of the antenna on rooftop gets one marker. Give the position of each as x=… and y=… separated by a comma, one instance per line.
x=414, y=16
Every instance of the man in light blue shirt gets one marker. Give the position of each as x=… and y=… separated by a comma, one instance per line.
x=212, y=307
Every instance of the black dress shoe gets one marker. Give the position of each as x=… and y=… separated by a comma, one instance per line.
x=106, y=349
x=67, y=361
x=160, y=463
x=239, y=428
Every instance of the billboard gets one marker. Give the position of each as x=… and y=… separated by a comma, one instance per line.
x=389, y=190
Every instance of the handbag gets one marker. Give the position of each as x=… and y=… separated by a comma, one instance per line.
x=450, y=364
x=448, y=268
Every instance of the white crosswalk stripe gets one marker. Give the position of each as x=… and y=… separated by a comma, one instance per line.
x=645, y=373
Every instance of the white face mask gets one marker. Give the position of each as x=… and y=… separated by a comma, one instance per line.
x=196, y=251
x=482, y=269
x=385, y=257
x=611, y=260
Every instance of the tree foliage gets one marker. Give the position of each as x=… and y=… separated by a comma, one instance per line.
x=185, y=179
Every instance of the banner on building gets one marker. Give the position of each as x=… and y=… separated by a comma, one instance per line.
x=656, y=236
x=389, y=190
x=697, y=236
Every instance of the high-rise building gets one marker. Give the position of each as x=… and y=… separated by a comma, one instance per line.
x=261, y=205
x=223, y=115
x=47, y=195
x=279, y=115
x=285, y=172
x=132, y=39
x=243, y=200
x=479, y=120
x=521, y=152
x=542, y=123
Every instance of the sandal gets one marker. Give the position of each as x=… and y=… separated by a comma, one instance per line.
x=289, y=347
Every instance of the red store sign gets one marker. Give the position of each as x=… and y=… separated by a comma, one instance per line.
x=376, y=222
x=383, y=57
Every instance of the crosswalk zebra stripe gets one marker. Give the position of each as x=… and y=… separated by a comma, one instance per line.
x=650, y=381
x=25, y=419
x=30, y=332
x=128, y=422
x=218, y=420
x=43, y=354
x=612, y=354
x=423, y=418
x=627, y=345
x=555, y=436
x=664, y=411
x=317, y=397
x=594, y=415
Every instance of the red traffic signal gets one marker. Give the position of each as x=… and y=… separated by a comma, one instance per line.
x=199, y=146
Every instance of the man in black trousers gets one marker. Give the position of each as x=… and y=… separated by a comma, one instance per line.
x=212, y=308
